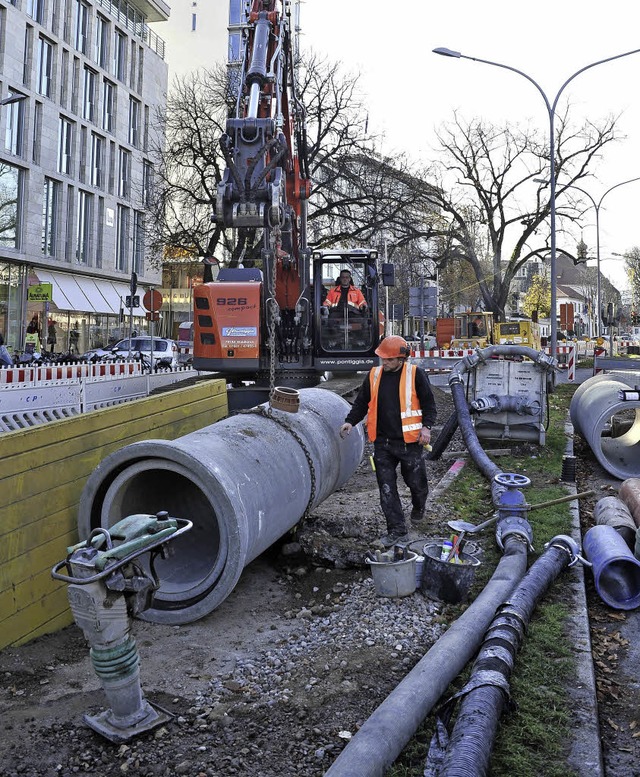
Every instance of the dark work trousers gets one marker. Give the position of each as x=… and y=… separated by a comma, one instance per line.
x=411, y=457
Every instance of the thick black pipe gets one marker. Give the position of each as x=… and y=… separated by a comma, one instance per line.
x=487, y=467
x=444, y=438
x=485, y=695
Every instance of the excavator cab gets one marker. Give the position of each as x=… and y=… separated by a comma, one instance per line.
x=345, y=292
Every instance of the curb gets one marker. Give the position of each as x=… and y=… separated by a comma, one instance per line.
x=585, y=756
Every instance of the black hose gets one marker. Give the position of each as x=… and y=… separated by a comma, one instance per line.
x=484, y=697
x=487, y=467
x=444, y=438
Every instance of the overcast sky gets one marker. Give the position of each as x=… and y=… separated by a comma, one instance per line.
x=412, y=91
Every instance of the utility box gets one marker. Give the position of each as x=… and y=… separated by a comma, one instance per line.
x=508, y=400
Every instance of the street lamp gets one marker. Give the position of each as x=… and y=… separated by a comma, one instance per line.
x=551, y=110
x=596, y=206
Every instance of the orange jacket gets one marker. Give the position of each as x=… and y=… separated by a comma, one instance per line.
x=355, y=298
x=410, y=410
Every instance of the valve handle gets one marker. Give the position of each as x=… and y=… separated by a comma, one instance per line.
x=512, y=480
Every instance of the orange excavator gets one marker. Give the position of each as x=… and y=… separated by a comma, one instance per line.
x=262, y=318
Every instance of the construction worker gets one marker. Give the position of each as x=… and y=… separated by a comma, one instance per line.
x=398, y=400
x=345, y=294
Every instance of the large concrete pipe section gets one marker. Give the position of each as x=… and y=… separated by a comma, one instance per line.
x=609, y=424
x=244, y=482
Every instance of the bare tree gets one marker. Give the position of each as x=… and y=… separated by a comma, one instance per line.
x=632, y=266
x=493, y=195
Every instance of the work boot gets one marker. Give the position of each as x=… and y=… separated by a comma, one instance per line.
x=392, y=538
x=417, y=516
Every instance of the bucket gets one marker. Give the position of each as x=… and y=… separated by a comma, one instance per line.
x=616, y=571
x=446, y=581
x=394, y=578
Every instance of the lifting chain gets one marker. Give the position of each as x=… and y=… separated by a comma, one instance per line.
x=268, y=411
x=275, y=247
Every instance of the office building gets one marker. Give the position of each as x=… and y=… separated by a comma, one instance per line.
x=80, y=87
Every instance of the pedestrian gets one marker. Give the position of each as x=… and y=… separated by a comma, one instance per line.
x=400, y=407
x=51, y=336
x=5, y=356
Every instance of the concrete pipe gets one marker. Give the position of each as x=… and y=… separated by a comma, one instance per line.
x=597, y=413
x=244, y=482
x=611, y=511
x=629, y=493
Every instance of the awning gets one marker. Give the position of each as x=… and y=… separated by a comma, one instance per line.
x=82, y=294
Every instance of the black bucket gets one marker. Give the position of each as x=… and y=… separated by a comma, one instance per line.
x=447, y=581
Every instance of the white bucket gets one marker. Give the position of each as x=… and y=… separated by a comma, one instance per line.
x=394, y=578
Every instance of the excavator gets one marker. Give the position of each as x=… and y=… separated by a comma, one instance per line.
x=261, y=319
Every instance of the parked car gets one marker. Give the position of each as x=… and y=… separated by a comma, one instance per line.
x=165, y=351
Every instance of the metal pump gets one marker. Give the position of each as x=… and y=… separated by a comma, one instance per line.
x=107, y=585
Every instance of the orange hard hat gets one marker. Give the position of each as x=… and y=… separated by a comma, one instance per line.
x=393, y=347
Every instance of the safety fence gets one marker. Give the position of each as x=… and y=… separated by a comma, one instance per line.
x=37, y=395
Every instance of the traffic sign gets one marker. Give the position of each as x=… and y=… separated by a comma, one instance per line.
x=423, y=301
x=132, y=301
x=152, y=300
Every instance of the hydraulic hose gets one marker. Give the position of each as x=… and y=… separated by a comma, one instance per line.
x=444, y=438
x=485, y=695
x=386, y=732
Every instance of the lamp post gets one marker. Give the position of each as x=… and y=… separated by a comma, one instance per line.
x=596, y=207
x=551, y=111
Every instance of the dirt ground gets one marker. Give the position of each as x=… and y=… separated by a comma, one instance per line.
x=276, y=680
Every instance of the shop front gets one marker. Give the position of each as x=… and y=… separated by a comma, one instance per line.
x=82, y=313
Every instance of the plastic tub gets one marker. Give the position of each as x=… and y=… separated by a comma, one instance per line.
x=394, y=578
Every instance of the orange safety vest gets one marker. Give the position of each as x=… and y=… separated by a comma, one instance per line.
x=355, y=298
x=410, y=410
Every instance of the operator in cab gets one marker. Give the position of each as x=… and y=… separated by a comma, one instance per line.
x=345, y=295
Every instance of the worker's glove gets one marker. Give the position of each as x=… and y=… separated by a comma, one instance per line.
x=324, y=311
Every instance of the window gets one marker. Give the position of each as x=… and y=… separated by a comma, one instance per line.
x=147, y=183
x=84, y=226
x=97, y=160
x=124, y=177
x=89, y=95
x=81, y=26
x=50, y=199
x=138, y=241
x=133, y=61
x=10, y=205
x=45, y=67
x=194, y=21
x=65, y=146
x=35, y=9
x=122, y=239
x=14, y=124
x=37, y=132
x=82, y=169
x=64, y=79
x=108, y=106
x=235, y=11
x=100, y=42
x=234, y=54
x=119, y=55
x=134, y=122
